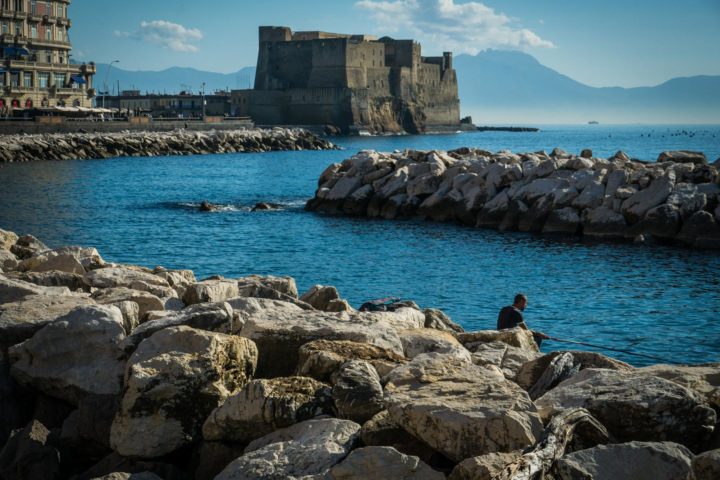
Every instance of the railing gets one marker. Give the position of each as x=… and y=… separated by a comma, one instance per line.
x=48, y=43
x=12, y=63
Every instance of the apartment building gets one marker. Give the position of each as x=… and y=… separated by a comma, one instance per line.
x=36, y=68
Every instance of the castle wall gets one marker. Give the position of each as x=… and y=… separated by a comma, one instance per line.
x=349, y=80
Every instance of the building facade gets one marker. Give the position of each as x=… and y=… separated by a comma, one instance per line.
x=35, y=60
x=182, y=105
x=354, y=82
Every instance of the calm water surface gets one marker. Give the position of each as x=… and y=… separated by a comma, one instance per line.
x=661, y=301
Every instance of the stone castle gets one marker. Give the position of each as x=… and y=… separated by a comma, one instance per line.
x=352, y=82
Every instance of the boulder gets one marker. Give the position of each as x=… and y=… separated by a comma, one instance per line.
x=382, y=462
x=279, y=332
x=146, y=301
x=211, y=291
x=683, y=156
x=635, y=406
x=382, y=431
x=604, y=222
x=704, y=379
x=459, y=409
x=706, y=466
x=531, y=371
x=483, y=467
x=591, y=197
x=320, y=296
x=133, y=468
x=131, y=315
x=65, y=259
x=7, y=239
x=16, y=290
x=212, y=457
x=439, y=320
x=635, y=207
x=507, y=358
x=564, y=220
x=427, y=340
x=129, y=476
x=173, y=381
x=586, y=153
x=636, y=460
x=72, y=281
x=357, y=392
x=615, y=180
x=30, y=454
x=249, y=286
x=515, y=337
x=8, y=260
x=87, y=429
x=27, y=246
x=662, y=221
x=213, y=317
x=304, y=449
x=22, y=319
x=688, y=199
x=263, y=406
x=76, y=355
x=321, y=358
x=110, y=277
x=699, y=225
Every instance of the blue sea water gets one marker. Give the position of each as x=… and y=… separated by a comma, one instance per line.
x=660, y=301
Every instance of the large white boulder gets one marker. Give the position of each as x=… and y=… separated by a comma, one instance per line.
x=263, y=406
x=382, y=462
x=304, y=449
x=636, y=460
x=635, y=406
x=76, y=355
x=173, y=381
x=460, y=409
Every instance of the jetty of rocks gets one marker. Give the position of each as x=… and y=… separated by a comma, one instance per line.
x=674, y=200
x=112, y=371
x=86, y=146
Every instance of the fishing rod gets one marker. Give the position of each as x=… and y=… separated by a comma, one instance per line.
x=602, y=347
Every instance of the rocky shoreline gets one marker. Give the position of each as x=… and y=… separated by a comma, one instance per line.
x=87, y=146
x=675, y=200
x=118, y=371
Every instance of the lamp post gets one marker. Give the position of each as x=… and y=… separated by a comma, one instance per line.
x=203, y=101
x=107, y=73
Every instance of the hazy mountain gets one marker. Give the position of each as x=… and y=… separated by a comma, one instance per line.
x=503, y=86
x=172, y=80
x=497, y=87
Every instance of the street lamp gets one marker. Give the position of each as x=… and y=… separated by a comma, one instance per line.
x=203, y=101
x=107, y=72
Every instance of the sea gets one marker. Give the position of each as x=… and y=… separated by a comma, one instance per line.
x=658, y=301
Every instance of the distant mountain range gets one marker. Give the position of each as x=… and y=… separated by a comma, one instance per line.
x=496, y=87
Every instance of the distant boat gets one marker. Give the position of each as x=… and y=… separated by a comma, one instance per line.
x=593, y=122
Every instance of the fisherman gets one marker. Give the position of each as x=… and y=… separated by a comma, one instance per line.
x=511, y=317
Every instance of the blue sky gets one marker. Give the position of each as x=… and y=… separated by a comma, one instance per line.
x=609, y=43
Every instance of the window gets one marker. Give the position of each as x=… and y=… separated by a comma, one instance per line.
x=43, y=80
x=19, y=5
x=59, y=80
x=27, y=80
x=48, y=33
x=28, y=103
x=15, y=79
x=18, y=28
x=33, y=32
x=5, y=28
x=61, y=58
x=33, y=7
x=48, y=56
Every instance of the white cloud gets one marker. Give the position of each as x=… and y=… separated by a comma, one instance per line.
x=468, y=27
x=169, y=35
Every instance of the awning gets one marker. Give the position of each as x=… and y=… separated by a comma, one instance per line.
x=78, y=79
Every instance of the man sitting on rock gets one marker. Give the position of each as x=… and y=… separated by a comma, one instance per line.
x=511, y=317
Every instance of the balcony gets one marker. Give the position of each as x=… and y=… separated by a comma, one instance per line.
x=64, y=22
x=88, y=68
x=34, y=65
x=38, y=42
x=8, y=38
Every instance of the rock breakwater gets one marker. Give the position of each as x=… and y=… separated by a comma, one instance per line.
x=85, y=146
x=675, y=200
x=110, y=370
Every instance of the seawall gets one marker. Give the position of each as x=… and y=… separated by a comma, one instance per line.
x=109, y=369
x=83, y=146
x=138, y=124
x=675, y=200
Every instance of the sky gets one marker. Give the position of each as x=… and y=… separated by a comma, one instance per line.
x=609, y=43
